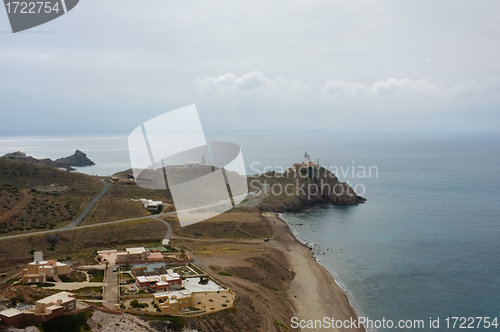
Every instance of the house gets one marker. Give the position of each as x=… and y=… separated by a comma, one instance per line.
x=131, y=254
x=16, y=155
x=192, y=163
x=151, y=205
x=45, y=309
x=173, y=302
x=62, y=301
x=39, y=271
x=107, y=255
x=303, y=165
x=141, y=255
x=160, y=283
x=11, y=316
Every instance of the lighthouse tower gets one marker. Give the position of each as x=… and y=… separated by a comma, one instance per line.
x=306, y=159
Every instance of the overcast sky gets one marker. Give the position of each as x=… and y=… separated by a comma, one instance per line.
x=109, y=65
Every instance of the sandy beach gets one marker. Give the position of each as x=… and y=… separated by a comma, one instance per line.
x=314, y=292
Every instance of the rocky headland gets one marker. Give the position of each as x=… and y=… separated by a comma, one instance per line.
x=78, y=159
x=295, y=190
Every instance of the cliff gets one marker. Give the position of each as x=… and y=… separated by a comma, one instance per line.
x=294, y=191
x=78, y=159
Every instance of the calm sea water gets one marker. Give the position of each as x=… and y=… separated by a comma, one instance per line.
x=426, y=244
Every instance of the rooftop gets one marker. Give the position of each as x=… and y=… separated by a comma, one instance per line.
x=192, y=285
x=136, y=251
x=11, y=312
x=111, y=251
x=64, y=296
x=150, y=267
x=180, y=294
x=155, y=255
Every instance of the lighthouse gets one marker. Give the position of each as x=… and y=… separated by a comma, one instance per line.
x=306, y=159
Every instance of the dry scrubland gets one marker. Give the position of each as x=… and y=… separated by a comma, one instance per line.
x=116, y=204
x=50, y=198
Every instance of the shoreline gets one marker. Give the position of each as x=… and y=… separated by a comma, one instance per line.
x=314, y=291
x=336, y=278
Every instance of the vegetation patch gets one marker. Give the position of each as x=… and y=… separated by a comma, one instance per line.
x=96, y=275
x=73, y=323
x=73, y=276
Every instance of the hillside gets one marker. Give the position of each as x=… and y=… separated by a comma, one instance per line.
x=26, y=175
x=34, y=197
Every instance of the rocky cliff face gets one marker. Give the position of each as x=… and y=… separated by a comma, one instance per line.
x=78, y=159
x=294, y=191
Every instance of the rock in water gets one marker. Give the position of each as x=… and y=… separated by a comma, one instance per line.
x=78, y=159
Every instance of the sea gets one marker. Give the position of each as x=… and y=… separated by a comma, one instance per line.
x=424, y=247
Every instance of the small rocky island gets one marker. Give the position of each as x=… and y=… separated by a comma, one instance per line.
x=78, y=159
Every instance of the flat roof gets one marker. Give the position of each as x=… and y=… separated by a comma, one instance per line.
x=64, y=296
x=150, y=267
x=134, y=251
x=11, y=312
x=142, y=279
x=180, y=294
x=171, y=277
x=192, y=284
x=107, y=251
x=53, y=307
x=38, y=263
x=155, y=255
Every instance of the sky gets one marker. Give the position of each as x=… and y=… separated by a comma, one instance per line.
x=108, y=66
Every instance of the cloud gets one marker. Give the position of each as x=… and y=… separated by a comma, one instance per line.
x=248, y=83
x=343, y=88
x=392, y=85
x=471, y=88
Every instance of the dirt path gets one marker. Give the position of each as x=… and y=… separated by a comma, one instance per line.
x=73, y=285
x=18, y=207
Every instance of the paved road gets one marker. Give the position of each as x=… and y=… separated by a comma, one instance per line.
x=82, y=227
x=110, y=288
x=169, y=229
x=74, y=226
x=89, y=207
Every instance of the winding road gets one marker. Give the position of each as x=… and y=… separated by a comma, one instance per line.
x=76, y=224
x=89, y=207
